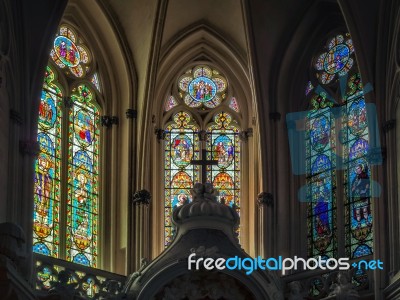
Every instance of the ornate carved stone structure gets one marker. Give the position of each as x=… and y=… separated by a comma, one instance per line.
x=13, y=284
x=207, y=228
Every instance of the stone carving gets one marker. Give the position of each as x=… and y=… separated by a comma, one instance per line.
x=204, y=286
x=65, y=290
x=204, y=191
x=296, y=291
x=343, y=289
x=205, y=252
x=265, y=198
x=141, y=197
x=12, y=240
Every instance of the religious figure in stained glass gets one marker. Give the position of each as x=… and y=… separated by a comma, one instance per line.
x=224, y=146
x=181, y=146
x=69, y=54
x=47, y=169
x=80, y=162
x=83, y=170
x=202, y=86
x=360, y=193
x=338, y=62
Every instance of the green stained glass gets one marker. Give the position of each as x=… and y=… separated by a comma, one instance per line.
x=47, y=169
x=83, y=164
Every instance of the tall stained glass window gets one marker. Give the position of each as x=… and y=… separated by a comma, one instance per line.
x=47, y=169
x=83, y=191
x=201, y=89
x=181, y=146
x=337, y=147
x=66, y=192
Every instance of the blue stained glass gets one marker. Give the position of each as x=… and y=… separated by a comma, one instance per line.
x=321, y=163
x=336, y=58
x=322, y=218
x=320, y=133
x=361, y=251
x=81, y=259
x=41, y=249
x=202, y=89
x=359, y=148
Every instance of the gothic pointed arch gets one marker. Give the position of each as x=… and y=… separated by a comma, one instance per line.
x=225, y=70
x=81, y=77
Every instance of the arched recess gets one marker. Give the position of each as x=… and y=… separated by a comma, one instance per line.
x=202, y=45
x=96, y=26
x=296, y=69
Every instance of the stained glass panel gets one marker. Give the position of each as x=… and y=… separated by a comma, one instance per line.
x=83, y=193
x=170, y=103
x=181, y=146
x=350, y=111
x=202, y=86
x=67, y=53
x=223, y=144
x=336, y=61
x=47, y=170
x=234, y=104
x=359, y=219
x=96, y=81
x=321, y=192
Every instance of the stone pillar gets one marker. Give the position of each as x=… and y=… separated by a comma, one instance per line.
x=139, y=230
x=264, y=201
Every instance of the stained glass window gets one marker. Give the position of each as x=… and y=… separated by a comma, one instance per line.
x=83, y=191
x=72, y=150
x=337, y=60
x=170, y=103
x=321, y=193
x=202, y=86
x=181, y=146
x=233, y=104
x=223, y=144
x=96, y=81
x=69, y=54
x=341, y=105
x=47, y=169
x=359, y=236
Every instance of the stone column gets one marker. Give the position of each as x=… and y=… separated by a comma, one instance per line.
x=264, y=201
x=139, y=230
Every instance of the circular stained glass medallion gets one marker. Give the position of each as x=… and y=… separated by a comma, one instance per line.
x=202, y=89
x=336, y=59
x=67, y=51
x=182, y=150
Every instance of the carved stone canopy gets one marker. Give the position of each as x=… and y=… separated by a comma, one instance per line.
x=207, y=229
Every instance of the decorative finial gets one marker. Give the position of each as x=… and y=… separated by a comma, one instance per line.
x=204, y=192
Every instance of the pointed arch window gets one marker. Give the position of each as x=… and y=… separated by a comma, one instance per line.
x=200, y=94
x=66, y=191
x=339, y=188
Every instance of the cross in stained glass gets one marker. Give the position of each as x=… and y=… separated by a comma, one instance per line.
x=203, y=162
